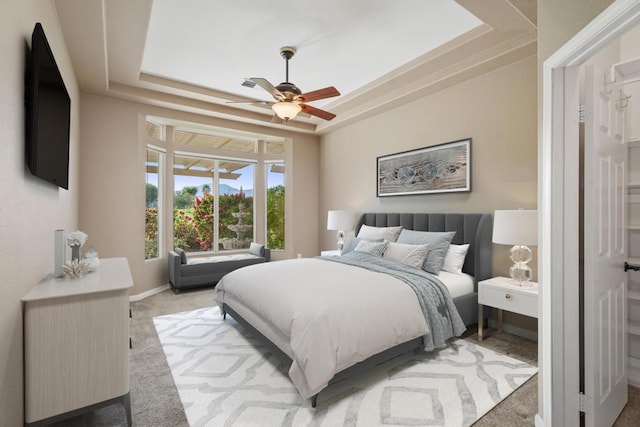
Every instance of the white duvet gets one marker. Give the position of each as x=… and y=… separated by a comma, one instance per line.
x=326, y=316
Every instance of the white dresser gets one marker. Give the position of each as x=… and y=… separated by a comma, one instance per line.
x=76, y=344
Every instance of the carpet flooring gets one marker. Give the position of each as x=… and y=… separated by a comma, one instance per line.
x=155, y=401
x=227, y=377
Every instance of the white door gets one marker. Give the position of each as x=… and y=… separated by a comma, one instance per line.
x=605, y=251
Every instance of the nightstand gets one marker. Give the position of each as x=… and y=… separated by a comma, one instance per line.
x=334, y=252
x=504, y=294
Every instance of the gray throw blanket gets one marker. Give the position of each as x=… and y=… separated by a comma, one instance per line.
x=434, y=297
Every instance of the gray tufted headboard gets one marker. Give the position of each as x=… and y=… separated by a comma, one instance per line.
x=475, y=229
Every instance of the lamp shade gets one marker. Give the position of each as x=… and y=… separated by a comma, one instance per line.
x=286, y=110
x=340, y=220
x=515, y=227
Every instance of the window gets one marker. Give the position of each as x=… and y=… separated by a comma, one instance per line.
x=213, y=203
x=211, y=207
x=235, y=206
x=191, y=175
x=152, y=207
x=275, y=205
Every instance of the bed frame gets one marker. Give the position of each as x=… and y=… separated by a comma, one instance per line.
x=474, y=229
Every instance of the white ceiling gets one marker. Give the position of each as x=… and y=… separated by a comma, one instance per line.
x=192, y=55
x=346, y=44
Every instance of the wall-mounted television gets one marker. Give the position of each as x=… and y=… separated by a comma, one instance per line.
x=48, y=114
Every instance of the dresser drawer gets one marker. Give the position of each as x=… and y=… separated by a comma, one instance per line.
x=514, y=301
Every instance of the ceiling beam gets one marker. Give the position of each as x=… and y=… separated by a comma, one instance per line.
x=198, y=173
x=144, y=95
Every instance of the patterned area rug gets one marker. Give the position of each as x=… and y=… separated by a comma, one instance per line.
x=225, y=377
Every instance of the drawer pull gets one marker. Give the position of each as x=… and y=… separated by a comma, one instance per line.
x=508, y=296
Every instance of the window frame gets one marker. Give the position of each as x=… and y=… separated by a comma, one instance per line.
x=215, y=182
x=160, y=203
x=266, y=163
x=169, y=147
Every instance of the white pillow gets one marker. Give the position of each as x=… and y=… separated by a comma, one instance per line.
x=413, y=255
x=389, y=234
x=454, y=260
x=373, y=248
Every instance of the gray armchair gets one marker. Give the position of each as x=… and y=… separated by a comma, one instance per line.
x=199, y=272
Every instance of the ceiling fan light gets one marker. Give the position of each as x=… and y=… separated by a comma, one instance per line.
x=286, y=110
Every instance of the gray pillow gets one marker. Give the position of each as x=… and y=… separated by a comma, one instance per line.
x=376, y=234
x=256, y=249
x=438, y=246
x=183, y=255
x=372, y=248
x=351, y=243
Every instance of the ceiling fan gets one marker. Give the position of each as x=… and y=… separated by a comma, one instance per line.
x=289, y=99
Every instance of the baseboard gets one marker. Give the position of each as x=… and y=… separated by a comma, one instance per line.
x=521, y=332
x=148, y=293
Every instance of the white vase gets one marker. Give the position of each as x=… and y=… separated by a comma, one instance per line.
x=59, y=253
x=75, y=253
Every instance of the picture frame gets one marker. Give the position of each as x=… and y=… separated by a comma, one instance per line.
x=442, y=168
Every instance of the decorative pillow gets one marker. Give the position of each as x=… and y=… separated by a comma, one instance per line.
x=351, y=243
x=438, y=243
x=256, y=249
x=454, y=260
x=413, y=255
x=373, y=248
x=183, y=255
x=389, y=234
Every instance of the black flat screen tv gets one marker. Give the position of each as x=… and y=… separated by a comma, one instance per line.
x=48, y=114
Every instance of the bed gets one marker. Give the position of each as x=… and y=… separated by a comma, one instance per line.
x=329, y=318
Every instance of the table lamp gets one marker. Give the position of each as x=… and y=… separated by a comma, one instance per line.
x=341, y=221
x=518, y=228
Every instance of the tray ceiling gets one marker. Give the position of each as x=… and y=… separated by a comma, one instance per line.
x=193, y=55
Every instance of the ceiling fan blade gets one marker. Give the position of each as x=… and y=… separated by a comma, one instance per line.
x=264, y=84
x=317, y=112
x=327, y=92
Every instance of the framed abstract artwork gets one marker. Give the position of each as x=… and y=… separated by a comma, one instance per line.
x=443, y=168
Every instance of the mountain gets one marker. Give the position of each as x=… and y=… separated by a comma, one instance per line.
x=227, y=189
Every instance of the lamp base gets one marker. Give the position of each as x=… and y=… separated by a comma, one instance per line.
x=520, y=272
x=340, y=237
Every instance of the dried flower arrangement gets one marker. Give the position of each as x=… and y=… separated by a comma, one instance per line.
x=76, y=238
x=76, y=268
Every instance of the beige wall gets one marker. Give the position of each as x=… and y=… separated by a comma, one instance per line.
x=30, y=208
x=559, y=21
x=112, y=176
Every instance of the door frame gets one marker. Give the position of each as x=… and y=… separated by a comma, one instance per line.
x=559, y=214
